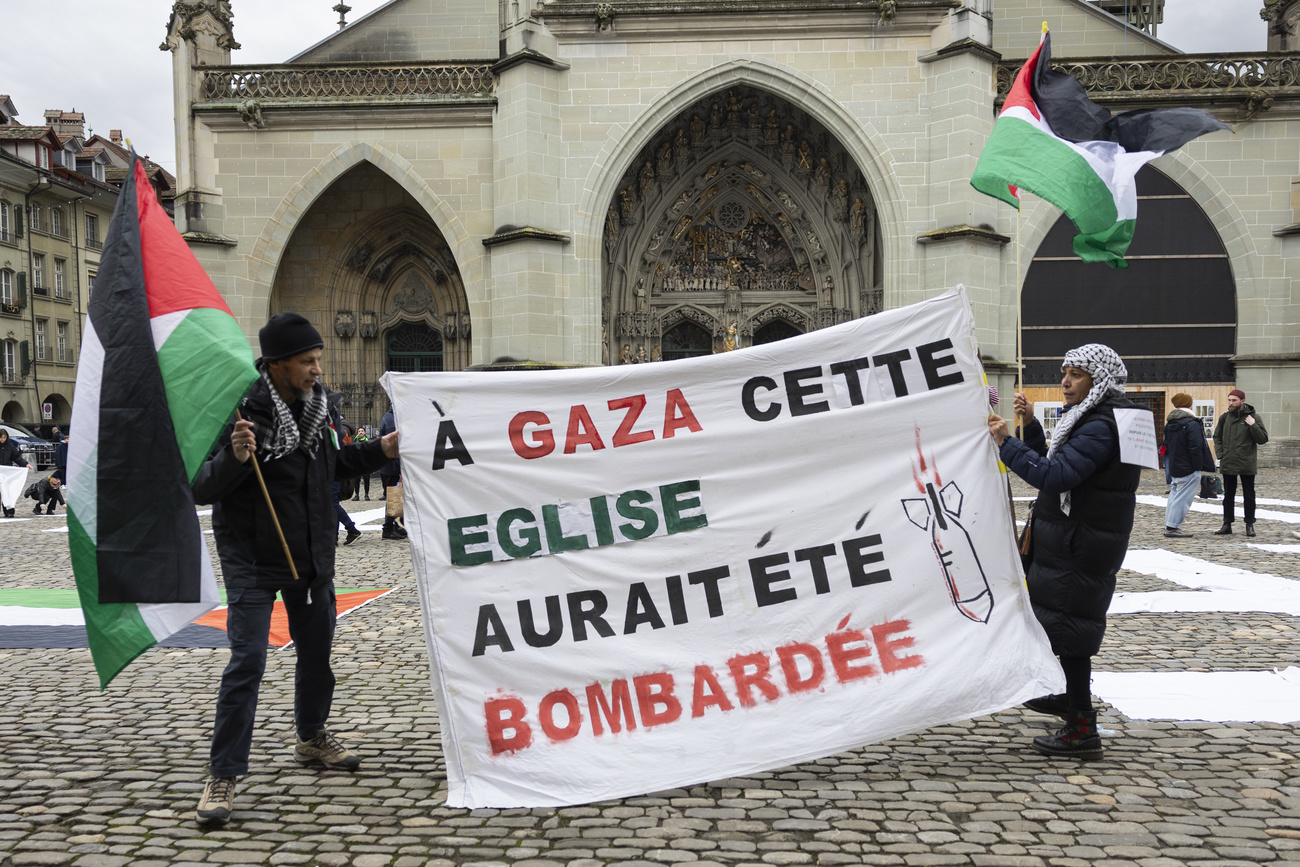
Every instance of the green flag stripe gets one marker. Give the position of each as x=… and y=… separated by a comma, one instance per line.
x=116, y=633
x=206, y=366
x=43, y=597
x=1021, y=154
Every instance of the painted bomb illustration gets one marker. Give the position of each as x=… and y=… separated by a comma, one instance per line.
x=938, y=512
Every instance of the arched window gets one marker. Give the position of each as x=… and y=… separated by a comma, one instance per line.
x=777, y=329
x=1171, y=315
x=414, y=347
x=685, y=340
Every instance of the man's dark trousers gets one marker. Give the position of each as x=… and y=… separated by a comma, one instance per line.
x=1230, y=498
x=248, y=624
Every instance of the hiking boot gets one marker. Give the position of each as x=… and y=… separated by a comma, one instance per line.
x=1077, y=739
x=1250, y=530
x=353, y=535
x=217, y=801
x=1052, y=705
x=328, y=750
x=1225, y=530
x=1175, y=533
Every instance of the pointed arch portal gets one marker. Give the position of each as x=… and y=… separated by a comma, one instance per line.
x=745, y=209
x=382, y=285
x=1171, y=315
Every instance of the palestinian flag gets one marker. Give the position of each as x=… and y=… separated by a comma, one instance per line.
x=163, y=366
x=49, y=618
x=1052, y=140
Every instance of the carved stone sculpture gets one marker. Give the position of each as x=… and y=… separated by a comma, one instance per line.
x=345, y=323
x=840, y=201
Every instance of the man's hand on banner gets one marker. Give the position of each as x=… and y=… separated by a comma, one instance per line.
x=389, y=443
x=997, y=428
x=242, y=441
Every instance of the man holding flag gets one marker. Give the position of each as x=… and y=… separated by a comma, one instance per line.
x=164, y=364
x=288, y=432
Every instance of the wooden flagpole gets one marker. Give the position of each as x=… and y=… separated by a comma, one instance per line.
x=257, y=471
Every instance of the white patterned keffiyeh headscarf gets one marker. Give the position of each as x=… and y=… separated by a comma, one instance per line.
x=287, y=434
x=1108, y=374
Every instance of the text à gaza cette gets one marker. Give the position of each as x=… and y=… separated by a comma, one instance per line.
x=799, y=392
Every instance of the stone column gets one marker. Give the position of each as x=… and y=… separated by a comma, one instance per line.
x=528, y=251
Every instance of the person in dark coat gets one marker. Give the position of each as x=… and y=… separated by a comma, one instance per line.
x=286, y=430
x=1080, y=528
x=1237, y=437
x=1187, y=454
x=10, y=456
x=390, y=476
x=48, y=492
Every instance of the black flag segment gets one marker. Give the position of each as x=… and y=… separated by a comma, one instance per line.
x=1065, y=105
x=148, y=539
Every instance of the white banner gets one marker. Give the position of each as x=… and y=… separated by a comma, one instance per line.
x=653, y=575
x=12, y=482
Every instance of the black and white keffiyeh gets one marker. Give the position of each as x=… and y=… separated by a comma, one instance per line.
x=289, y=434
x=1108, y=374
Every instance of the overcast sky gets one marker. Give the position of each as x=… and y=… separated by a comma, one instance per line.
x=103, y=60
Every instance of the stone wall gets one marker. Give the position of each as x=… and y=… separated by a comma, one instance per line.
x=1078, y=30
x=414, y=30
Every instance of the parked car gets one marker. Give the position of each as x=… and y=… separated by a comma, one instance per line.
x=39, y=452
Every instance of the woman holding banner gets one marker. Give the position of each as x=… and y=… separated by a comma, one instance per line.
x=1079, y=530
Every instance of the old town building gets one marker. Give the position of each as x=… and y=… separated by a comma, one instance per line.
x=55, y=209
x=449, y=183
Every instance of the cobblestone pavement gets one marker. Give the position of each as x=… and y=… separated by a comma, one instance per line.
x=105, y=779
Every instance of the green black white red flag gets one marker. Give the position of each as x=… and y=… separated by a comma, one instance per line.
x=163, y=366
x=1052, y=140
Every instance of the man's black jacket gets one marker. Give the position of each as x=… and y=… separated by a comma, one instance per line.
x=250, y=551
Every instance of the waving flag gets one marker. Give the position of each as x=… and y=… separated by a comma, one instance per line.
x=163, y=365
x=1052, y=140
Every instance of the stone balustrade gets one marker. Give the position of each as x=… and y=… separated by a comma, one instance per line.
x=1180, y=78
x=343, y=83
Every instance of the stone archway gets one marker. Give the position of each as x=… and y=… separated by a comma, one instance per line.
x=364, y=261
x=61, y=410
x=12, y=412
x=741, y=203
x=1171, y=314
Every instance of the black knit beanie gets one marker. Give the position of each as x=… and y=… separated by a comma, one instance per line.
x=287, y=334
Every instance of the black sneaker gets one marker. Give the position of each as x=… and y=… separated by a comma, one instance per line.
x=328, y=750
x=217, y=801
x=353, y=535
